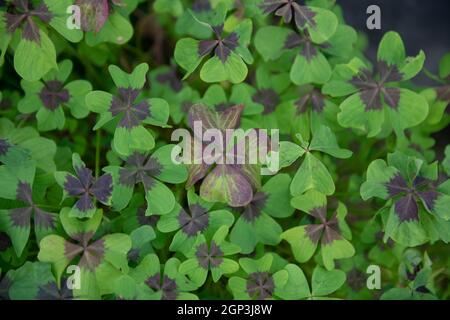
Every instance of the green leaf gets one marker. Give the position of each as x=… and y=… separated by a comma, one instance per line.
x=33, y=60
x=234, y=69
x=302, y=246
x=325, y=141
x=325, y=26
x=117, y=30
x=314, y=70
x=312, y=174
x=186, y=55
x=289, y=153
x=325, y=282
x=270, y=41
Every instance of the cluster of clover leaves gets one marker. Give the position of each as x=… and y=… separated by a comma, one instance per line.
x=88, y=183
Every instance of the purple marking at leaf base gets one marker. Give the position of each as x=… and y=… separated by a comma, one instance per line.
x=388, y=73
x=212, y=256
x=331, y=232
x=84, y=203
x=206, y=46
x=371, y=99
x=4, y=147
x=136, y=160
x=308, y=48
x=407, y=209
x=268, y=98
x=392, y=97
x=93, y=255
x=85, y=176
x=309, y=51
x=84, y=186
x=133, y=255
x=14, y=21
x=303, y=16
x=260, y=285
x=443, y=93
x=420, y=182
x=254, y=209
x=396, y=185
x=170, y=78
x=147, y=181
x=314, y=232
x=72, y=250
x=43, y=219
x=132, y=113
x=314, y=99
x=5, y=241
x=146, y=220
x=411, y=275
x=167, y=286
x=194, y=223
x=127, y=177
x=201, y=5
x=363, y=80
x=381, y=244
x=222, y=47
x=24, y=193
x=50, y=291
x=372, y=91
x=293, y=40
x=73, y=186
x=102, y=188
x=356, y=279
x=429, y=198
x=226, y=46
x=320, y=213
x=290, y=8
x=328, y=230
x=20, y=217
x=53, y=95
x=153, y=167
x=24, y=18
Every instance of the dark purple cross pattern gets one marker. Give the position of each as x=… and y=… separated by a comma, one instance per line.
x=86, y=188
x=21, y=15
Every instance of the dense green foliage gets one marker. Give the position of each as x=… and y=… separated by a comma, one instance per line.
x=87, y=178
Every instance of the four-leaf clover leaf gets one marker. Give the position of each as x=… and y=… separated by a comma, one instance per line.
x=228, y=49
x=210, y=255
x=131, y=112
x=35, y=54
x=332, y=232
x=85, y=187
x=418, y=211
x=375, y=99
x=148, y=170
x=48, y=97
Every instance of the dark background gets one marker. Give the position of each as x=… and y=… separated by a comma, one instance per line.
x=422, y=24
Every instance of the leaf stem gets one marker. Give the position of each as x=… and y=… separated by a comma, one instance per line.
x=97, y=153
x=432, y=76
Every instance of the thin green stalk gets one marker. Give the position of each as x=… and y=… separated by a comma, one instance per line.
x=97, y=153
